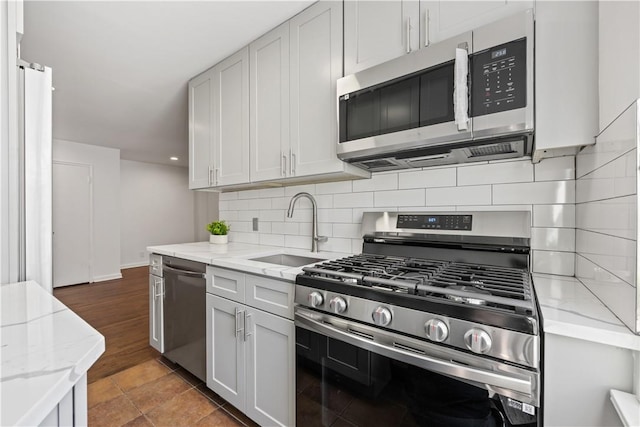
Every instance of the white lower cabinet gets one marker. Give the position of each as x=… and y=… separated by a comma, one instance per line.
x=251, y=354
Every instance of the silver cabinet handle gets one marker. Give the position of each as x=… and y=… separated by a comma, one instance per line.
x=426, y=28
x=216, y=176
x=181, y=272
x=210, y=180
x=409, y=35
x=238, y=330
x=284, y=164
x=293, y=163
x=246, y=325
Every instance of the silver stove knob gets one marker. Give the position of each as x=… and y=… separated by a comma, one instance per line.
x=338, y=305
x=477, y=340
x=381, y=316
x=436, y=330
x=315, y=299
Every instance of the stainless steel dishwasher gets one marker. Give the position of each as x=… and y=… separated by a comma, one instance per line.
x=185, y=314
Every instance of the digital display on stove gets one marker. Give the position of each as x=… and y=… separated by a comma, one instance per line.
x=436, y=222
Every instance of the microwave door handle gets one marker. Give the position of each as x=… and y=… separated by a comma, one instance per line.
x=461, y=87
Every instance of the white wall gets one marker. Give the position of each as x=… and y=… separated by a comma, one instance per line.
x=106, y=202
x=157, y=209
x=546, y=189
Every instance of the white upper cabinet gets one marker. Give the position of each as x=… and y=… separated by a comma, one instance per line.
x=619, y=57
x=231, y=120
x=440, y=20
x=269, y=121
x=201, y=130
x=376, y=31
x=316, y=65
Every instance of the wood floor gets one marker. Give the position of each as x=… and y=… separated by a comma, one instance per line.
x=119, y=310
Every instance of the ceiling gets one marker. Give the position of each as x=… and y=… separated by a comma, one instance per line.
x=120, y=68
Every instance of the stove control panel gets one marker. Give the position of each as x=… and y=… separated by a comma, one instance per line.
x=435, y=222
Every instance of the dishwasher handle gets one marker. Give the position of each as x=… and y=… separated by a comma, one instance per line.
x=182, y=272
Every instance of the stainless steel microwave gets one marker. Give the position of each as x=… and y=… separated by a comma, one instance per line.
x=468, y=98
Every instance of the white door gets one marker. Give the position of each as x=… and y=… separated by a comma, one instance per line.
x=269, y=110
x=377, y=31
x=316, y=64
x=71, y=224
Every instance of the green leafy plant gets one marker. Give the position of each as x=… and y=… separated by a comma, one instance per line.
x=218, y=228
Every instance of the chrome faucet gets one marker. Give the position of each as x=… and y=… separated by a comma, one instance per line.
x=314, y=231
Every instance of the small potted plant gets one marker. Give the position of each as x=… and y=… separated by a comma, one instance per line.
x=218, y=230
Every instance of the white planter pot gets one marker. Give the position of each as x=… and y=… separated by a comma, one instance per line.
x=218, y=240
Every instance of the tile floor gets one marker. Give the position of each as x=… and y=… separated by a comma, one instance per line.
x=158, y=393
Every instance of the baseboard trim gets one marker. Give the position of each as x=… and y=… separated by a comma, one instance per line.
x=134, y=265
x=107, y=277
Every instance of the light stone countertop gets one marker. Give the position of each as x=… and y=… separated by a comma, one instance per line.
x=570, y=309
x=45, y=348
x=237, y=256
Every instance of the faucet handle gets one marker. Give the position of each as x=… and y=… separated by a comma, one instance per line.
x=321, y=239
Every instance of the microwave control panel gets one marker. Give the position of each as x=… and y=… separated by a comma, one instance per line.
x=499, y=78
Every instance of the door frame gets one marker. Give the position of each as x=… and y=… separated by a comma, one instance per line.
x=89, y=166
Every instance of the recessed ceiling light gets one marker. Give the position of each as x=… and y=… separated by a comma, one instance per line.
x=173, y=158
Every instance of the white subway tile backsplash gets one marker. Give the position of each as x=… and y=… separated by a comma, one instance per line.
x=334, y=187
x=237, y=205
x=324, y=201
x=223, y=205
x=496, y=173
x=428, y=209
x=325, y=229
x=472, y=195
x=428, y=178
x=285, y=228
x=240, y=237
x=378, y=182
x=233, y=195
x=249, y=194
x=351, y=231
x=299, y=242
x=335, y=244
x=615, y=217
x=494, y=208
x=399, y=198
x=353, y=200
x=614, y=254
x=549, y=192
x=614, y=179
x=356, y=246
x=272, y=239
x=280, y=203
x=302, y=214
x=556, y=169
x=257, y=204
x=292, y=191
x=551, y=262
x=247, y=215
x=335, y=215
x=554, y=216
x=240, y=226
x=616, y=294
x=553, y=239
x=272, y=192
x=271, y=215
x=228, y=215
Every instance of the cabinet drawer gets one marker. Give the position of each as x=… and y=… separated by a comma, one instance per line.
x=274, y=296
x=155, y=265
x=226, y=283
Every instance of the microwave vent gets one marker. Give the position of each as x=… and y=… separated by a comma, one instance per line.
x=379, y=163
x=491, y=150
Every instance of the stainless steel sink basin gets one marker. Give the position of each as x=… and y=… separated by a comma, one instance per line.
x=288, y=260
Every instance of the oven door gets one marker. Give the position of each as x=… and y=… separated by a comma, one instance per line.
x=406, y=103
x=354, y=374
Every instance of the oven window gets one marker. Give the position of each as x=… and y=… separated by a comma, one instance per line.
x=339, y=384
x=436, y=95
x=379, y=110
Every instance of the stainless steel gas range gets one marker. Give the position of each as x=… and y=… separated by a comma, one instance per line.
x=437, y=319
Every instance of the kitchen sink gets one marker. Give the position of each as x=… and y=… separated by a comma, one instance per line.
x=288, y=260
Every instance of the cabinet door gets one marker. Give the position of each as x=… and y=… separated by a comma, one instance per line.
x=377, y=31
x=270, y=369
x=231, y=120
x=156, y=313
x=316, y=64
x=201, y=130
x=443, y=19
x=225, y=350
x=269, y=110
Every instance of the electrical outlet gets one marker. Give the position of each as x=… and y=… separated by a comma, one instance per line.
x=255, y=224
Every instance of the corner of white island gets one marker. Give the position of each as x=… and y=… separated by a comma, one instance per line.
x=45, y=353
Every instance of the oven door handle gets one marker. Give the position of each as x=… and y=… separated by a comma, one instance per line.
x=414, y=357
